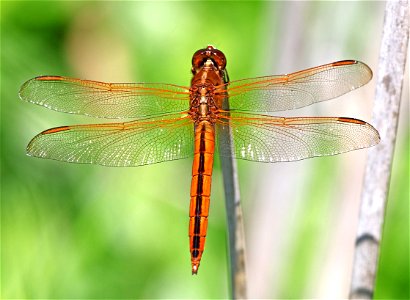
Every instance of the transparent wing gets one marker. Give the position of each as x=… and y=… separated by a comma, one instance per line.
x=283, y=92
x=136, y=143
x=273, y=139
x=105, y=100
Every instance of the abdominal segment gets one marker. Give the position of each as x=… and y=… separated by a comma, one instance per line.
x=200, y=190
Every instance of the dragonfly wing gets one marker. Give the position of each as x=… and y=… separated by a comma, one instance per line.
x=106, y=100
x=299, y=89
x=273, y=139
x=136, y=143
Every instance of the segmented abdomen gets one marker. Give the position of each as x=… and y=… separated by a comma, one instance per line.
x=200, y=190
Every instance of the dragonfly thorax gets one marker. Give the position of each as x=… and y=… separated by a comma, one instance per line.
x=202, y=104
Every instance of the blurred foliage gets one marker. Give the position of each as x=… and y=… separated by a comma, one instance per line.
x=79, y=231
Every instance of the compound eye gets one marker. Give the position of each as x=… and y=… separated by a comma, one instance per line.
x=219, y=58
x=199, y=58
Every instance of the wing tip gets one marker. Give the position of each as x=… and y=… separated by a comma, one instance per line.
x=376, y=134
x=24, y=89
x=349, y=62
x=31, y=149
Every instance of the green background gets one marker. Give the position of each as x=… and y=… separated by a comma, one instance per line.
x=81, y=231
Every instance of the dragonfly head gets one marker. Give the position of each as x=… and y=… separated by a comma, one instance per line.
x=209, y=57
x=201, y=56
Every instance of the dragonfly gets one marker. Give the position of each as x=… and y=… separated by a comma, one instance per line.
x=172, y=122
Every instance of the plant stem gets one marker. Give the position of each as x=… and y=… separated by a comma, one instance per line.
x=389, y=84
x=236, y=235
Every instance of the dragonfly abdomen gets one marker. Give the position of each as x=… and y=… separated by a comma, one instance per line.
x=200, y=190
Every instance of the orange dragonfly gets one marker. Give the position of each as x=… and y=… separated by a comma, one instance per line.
x=175, y=122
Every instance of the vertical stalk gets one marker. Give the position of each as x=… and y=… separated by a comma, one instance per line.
x=236, y=235
x=389, y=84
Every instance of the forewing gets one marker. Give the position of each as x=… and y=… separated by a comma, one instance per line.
x=105, y=100
x=274, y=139
x=136, y=143
x=299, y=89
